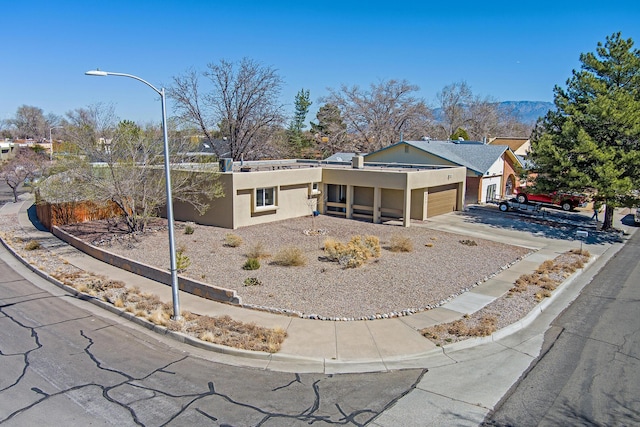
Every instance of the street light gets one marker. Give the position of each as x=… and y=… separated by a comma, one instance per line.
x=172, y=242
x=51, y=141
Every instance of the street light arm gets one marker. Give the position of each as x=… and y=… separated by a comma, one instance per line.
x=101, y=73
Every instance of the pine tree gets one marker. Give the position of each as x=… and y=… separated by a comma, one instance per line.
x=297, y=141
x=592, y=139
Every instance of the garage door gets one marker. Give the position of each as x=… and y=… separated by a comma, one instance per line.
x=442, y=199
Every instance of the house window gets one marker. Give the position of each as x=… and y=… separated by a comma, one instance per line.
x=314, y=189
x=265, y=198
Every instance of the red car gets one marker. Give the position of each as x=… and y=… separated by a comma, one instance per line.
x=567, y=201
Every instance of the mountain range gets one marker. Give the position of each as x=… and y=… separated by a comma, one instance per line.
x=526, y=111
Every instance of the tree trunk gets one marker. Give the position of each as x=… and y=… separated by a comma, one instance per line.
x=607, y=222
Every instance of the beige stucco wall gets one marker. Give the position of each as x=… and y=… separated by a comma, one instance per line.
x=293, y=198
x=220, y=212
x=292, y=195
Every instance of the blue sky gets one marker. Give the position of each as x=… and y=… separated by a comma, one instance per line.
x=510, y=51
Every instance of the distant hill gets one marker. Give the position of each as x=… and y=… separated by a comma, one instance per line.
x=526, y=111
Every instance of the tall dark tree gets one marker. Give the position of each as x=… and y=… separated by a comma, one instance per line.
x=330, y=131
x=592, y=140
x=297, y=140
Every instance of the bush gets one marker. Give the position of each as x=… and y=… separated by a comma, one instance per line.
x=251, y=264
x=252, y=281
x=188, y=229
x=401, y=244
x=290, y=257
x=354, y=253
x=32, y=245
x=182, y=261
x=232, y=240
x=258, y=252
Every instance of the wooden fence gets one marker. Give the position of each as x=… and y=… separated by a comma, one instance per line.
x=52, y=214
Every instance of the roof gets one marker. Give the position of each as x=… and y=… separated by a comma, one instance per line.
x=341, y=157
x=476, y=156
x=513, y=143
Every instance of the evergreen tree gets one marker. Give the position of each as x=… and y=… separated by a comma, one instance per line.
x=297, y=141
x=330, y=131
x=592, y=139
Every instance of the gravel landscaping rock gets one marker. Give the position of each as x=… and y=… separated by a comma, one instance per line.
x=441, y=265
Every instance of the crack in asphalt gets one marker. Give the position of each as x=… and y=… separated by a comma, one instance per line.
x=311, y=414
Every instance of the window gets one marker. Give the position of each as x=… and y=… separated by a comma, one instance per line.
x=314, y=189
x=265, y=197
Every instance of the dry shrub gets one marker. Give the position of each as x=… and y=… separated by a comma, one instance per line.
x=546, y=267
x=522, y=283
x=258, y=251
x=148, y=303
x=400, y=244
x=159, y=317
x=232, y=240
x=485, y=327
x=354, y=253
x=290, y=257
x=458, y=328
x=225, y=331
x=585, y=253
x=32, y=245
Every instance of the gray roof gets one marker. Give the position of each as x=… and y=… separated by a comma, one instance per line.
x=340, y=157
x=476, y=156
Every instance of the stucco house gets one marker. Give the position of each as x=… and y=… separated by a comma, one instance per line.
x=7, y=150
x=491, y=169
x=265, y=191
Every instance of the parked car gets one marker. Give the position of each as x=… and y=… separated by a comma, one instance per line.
x=567, y=201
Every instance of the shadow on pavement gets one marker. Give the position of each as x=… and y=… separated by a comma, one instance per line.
x=33, y=217
x=553, y=225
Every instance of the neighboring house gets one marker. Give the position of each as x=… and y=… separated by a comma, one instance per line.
x=491, y=169
x=7, y=150
x=520, y=146
x=264, y=191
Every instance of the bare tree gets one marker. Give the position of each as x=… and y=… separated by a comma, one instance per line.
x=25, y=165
x=129, y=172
x=382, y=115
x=454, y=100
x=242, y=104
x=90, y=129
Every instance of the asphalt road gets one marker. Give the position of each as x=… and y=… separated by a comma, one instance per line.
x=589, y=373
x=66, y=362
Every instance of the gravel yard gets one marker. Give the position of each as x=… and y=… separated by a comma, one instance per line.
x=440, y=265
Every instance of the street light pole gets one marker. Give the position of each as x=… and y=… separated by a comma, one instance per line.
x=167, y=172
x=51, y=141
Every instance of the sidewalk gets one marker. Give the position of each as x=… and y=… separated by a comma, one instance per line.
x=340, y=347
